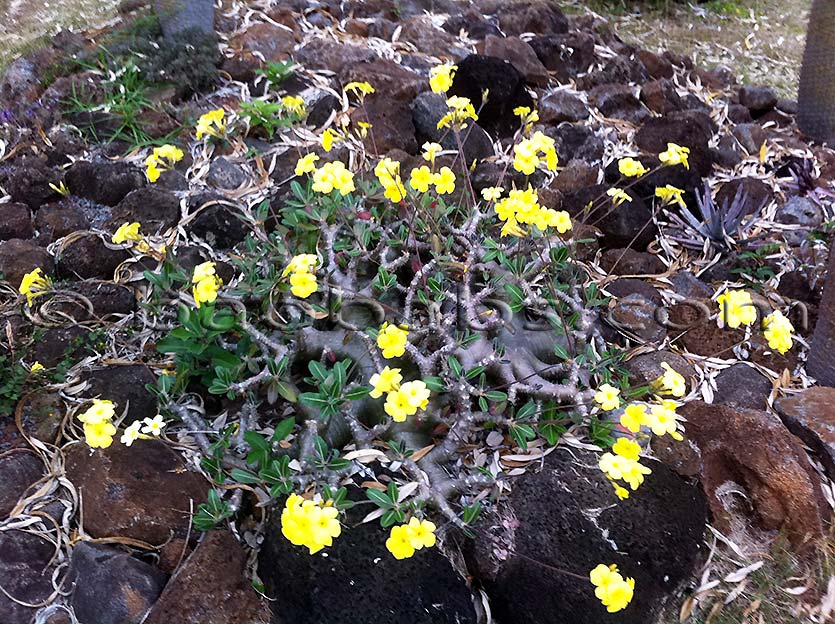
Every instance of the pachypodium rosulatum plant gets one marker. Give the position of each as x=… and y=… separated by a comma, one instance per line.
x=367, y=336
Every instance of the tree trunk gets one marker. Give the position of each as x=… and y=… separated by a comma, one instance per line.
x=816, y=96
x=175, y=16
x=821, y=360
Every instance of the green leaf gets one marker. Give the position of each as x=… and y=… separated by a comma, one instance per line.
x=455, y=366
x=357, y=393
x=435, y=384
x=381, y=499
x=244, y=476
x=495, y=396
x=526, y=411
x=318, y=370
x=284, y=428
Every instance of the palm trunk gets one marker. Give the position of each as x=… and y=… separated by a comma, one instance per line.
x=816, y=96
x=820, y=363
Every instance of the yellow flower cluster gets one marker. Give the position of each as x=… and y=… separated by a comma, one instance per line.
x=611, y=588
x=212, y=123
x=34, y=284
x=294, y=104
x=401, y=400
x=302, y=269
x=405, y=539
x=460, y=110
x=736, y=308
x=670, y=382
x=333, y=175
x=631, y=168
x=98, y=427
x=778, y=331
x=624, y=465
x=661, y=418
x=440, y=77
x=522, y=207
x=669, y=194
x=360, y=89
x=205, y=283
x=162, y=159
x=392, y=340
x=618, y=196
x=421, y=177
x=388, y=173
x=529, y=153
x=308, y=523
x=607, y=397
x=675, y=155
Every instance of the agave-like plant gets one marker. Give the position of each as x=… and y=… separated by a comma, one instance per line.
x=720, y=226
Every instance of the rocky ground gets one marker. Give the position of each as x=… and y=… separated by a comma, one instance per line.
x=107, y=536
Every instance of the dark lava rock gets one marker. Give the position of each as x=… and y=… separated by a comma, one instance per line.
x=536, y=16
x=217, y=567
x=58, y=219
x=561, y=106
x=743, y=386
x=519, y=54
x=226, y=175
x=751, y=136
x=661, y=96
x=25, y=573
x=757, y=194
x=473, y=23
x=621, y=69
x=421, y=32
x=687, y=128
x=567, y=517
x=627, y=225
x=617, y=101
x=391, y=125
x=576, y=174
x=104, y=297
x=753, y=450
x=155, y=209
x=87, y=256
x=321, y=110
x=125, y=386
x=110, y=586
x=219, y=226
x=336, y=57
x=62, y=343
x=41, y=414
x=19, y=257
x=646, y=368
x=15, y=221
x=565, y=55
x=323, y=589
x=810, y=415
x=800, y=211
x=427, y=110
x=758, y=100
x=630, y=262
x=19, y=469
x=506, y=88
x=262, y=40
x=634, y=311
x=27, y=181
x=104, y=182
x=388, y=77
x=738, y=114
x=657, y=66
x=577, y=142
x=142, y=491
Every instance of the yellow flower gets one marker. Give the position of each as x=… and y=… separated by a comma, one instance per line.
x=778, y=331
x=634, y=415
x=608, y=397
x=205, y=270
x=126, y=232
x=153, y=426
x=618, y=196
x=631, y=168
x=617, y=468
x=420, y=178
x=399, y=542
x=385, y=381
x=671, y=382
x=388, y=173
x=736, y=308
x=392, y=340
x=460, y=110
x=294, y=104
x=170, y=153
x=675, y=155
x=101, y=411
x=398, y=406
x=327, y=140
x=36, y=367
x=621, y=492
x=205, y=291
x=522, y=111
x=162, y=159
x=34, y=284
x=492, y=193
x=310, y=524
x=99, y=435
x=444, y=181
x=421, y=533
x=333, y=175
x=301, y=263
x=559, y=219
x=528, y=153
x=359, y=88
x=303, y=285
x=664, y=421
x=416, y=393
x=212, y=123
x=670, y=195
x=626, y=448
x=430, y=150
x=152, y=172
x=306, y=164
x=440, y=77
x=611, y=588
